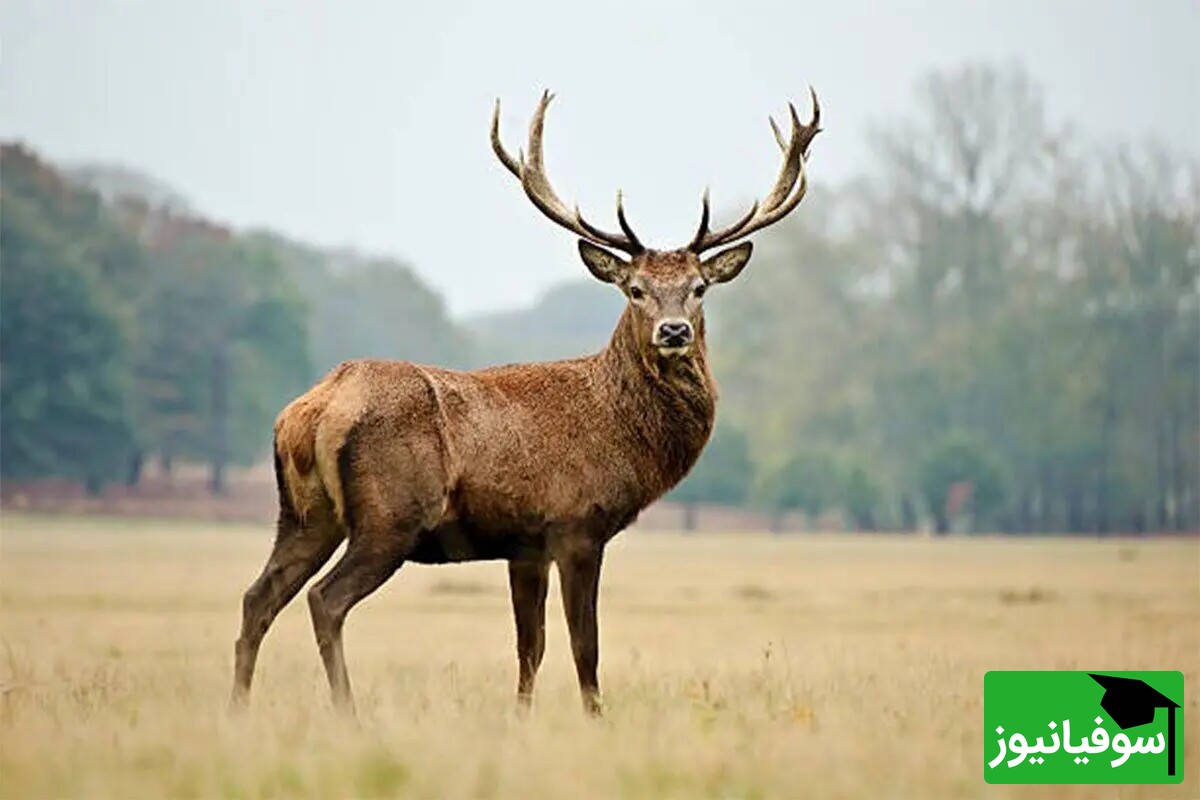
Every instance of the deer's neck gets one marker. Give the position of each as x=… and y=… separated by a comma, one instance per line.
x=667, y=405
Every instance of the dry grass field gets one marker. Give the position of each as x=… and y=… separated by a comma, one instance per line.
x=734, y=666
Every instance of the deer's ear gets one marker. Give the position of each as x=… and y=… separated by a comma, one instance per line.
x=600, y=262
x=726, y=265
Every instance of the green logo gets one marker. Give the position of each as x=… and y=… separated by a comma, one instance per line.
x=1083, y=727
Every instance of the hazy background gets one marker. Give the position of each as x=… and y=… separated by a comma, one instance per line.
x=983, y=323
x=365, y=123
x=985, y=315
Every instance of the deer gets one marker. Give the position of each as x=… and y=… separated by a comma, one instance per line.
x=534, y=464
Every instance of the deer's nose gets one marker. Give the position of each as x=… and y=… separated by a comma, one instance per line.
x=674, y=333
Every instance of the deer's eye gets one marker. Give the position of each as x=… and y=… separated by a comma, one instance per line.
x=700, y=290
x=636, y=292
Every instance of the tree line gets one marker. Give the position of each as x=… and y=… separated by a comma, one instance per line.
x=997, y=326
x=133, y=330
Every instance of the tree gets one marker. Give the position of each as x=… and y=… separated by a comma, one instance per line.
x=722, y=474
x=132, y=322
x=806, y=481
x=989, y=278
x=1143, y=276
x=362, y=307
x=567, y=320
x=65, y=372
x=213, y=339
x=859, y=495
x=223, y=304
x=959, y=473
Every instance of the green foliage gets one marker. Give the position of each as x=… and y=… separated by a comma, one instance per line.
x=221, y=342
x=134, y=329
x=807, y=481
x=360, y=307
x=992, y=302
x=860, y=495
x=723, y=473
x=65, y=374
x=959, y=459
x=988, y=281
x=816, y=481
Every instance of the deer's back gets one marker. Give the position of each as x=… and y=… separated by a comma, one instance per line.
x=482, y=455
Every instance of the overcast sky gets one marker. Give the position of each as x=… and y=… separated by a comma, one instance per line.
x=365, y=123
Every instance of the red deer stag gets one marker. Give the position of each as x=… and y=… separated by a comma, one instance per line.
x=530, y=463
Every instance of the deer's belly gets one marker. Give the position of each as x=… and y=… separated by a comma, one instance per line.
x=455, y=542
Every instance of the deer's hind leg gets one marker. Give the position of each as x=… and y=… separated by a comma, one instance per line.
x=383, y=519
x=368, y=562
x=301, y=548
x=392, y=488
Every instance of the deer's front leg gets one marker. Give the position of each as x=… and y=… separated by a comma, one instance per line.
x=579, y=575
x=528, y=581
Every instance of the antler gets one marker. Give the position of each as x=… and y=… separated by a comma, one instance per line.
x=781, y=200
x=532, y=175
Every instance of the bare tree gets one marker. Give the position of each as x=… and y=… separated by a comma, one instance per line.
x=978, y=144
x=1147, y=297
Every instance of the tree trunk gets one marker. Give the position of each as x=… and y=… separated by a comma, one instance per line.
x=133, y=474
x=1048, y=499
x=1162, y=486
x=908, y=514
x=1075, y=521
x=1137, y=520
x=1024, y=512
x=219, y=454
x=1179, y=487
x=690, y=516
x=864, y=520
x=1103, y=503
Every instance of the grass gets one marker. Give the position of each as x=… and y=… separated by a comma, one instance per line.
x=734, y=666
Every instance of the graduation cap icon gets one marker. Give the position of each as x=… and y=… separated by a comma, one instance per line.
x=1132, y=702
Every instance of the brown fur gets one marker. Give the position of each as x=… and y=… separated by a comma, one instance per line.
x=529, y=447
x=531, y=463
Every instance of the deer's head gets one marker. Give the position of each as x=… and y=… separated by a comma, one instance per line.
x=665, y=288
